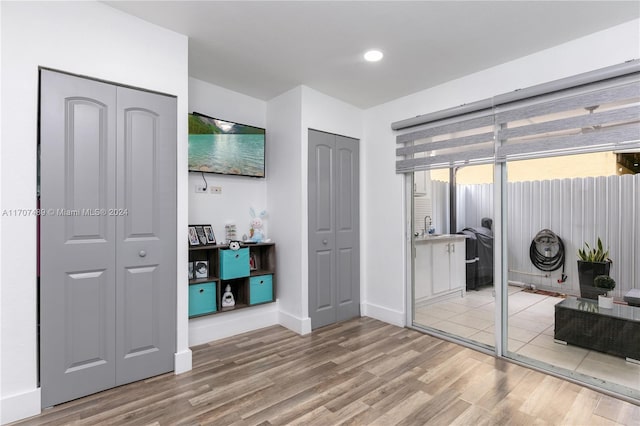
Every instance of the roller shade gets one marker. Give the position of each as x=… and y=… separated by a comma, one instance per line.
x=466, y=139
x=596, y=117
x=594, y=111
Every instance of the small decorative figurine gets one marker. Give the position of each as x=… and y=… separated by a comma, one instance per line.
x=256, y=233
x=227, y=298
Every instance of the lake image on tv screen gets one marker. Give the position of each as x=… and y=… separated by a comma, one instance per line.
x=222, y=147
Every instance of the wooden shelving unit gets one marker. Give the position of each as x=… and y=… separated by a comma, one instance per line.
x=253, y=283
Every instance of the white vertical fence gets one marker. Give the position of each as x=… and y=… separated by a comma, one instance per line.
x=577, y=210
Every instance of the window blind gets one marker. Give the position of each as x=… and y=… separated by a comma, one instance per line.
x=460, y=140
x=594, y=111
x=596, y=117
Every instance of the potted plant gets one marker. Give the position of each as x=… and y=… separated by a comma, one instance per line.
x=592, y=261
x=606, y=283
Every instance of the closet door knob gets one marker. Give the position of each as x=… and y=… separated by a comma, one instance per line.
x=325, y=242
x=142, y=253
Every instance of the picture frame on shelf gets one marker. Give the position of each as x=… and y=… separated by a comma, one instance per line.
x=193, y=236
x=204, y=235
x=201, y=235
x=201, y=268
x=208, y=231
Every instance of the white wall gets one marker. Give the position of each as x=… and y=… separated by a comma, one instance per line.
x=1, y=208
x=382, y=230
x=384, y=203
x=284, y=120
x=238, y=195
x=289, y=116
x=91, y=39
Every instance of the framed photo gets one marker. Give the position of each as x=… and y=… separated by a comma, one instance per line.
x=208, y=232
x=191, y=276
x=193, y=236
x=202, y=235
x=201, y=268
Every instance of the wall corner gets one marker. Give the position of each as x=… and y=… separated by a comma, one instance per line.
x=302, y=326
x=182, y=361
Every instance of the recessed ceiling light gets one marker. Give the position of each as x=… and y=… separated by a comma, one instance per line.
x=373, y=55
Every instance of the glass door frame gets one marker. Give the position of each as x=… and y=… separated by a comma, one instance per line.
x=409, y=288
x=501, y=265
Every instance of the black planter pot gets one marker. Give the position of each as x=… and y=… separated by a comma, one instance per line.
x=587, y=271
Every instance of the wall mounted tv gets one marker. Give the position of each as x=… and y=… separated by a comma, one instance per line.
x=219, y=146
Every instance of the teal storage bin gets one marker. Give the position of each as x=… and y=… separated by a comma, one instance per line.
x=234, y=263
x=260, y=289
x=202, y=299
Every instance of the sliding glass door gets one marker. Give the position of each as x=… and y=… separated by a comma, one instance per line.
x=506, y=191
x=452, y=248
x=554, y=322
x=552, y=207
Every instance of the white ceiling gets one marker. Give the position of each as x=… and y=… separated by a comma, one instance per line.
x=265, y=48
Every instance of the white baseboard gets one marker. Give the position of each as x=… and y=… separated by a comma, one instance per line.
x=20, y=406
x=383, y=314
x=215, y=327
x=301, y=326
x=182, y=361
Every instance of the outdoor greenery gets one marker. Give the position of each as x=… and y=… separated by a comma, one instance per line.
x=595, y=254
x=604, y=282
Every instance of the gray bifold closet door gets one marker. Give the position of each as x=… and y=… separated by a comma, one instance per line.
x=334, y=237
x=108, y=238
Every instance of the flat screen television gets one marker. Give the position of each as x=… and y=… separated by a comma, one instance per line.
x=220, y=146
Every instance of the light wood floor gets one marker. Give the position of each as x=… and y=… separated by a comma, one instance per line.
x=359, y=372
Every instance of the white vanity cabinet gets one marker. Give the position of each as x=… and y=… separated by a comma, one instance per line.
x=439, y=267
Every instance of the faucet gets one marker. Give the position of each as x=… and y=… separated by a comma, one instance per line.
x=426, y=228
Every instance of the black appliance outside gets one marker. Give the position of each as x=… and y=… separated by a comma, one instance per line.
x=479, y=254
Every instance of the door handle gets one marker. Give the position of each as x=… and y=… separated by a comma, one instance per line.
x=142, y=253
x=453, y=248
x=325, y=242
